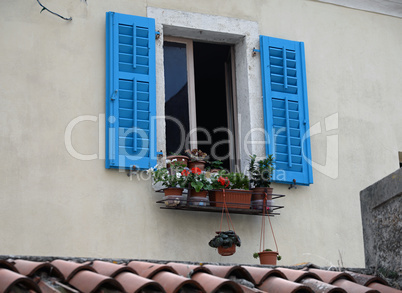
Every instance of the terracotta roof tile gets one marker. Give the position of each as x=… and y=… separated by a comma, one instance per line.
x=134, y=283
x=148, y=269
x=350, y=286
x=383, y=288
x=259, y=275
x=9, y=279
x=173, y=283
x=331, y=276
x=110, y=269
x=298, y=275
x=69, y=268
x=227, y=271
x=212, y=283
x=186, y=270
x=141, y=276
x=88, y=282
x=366, y=280
x=280, y=285
x=321, y=287
x=30, y=268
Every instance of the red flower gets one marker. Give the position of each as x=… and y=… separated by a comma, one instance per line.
x=196, y=170
x=224, y=181
x=185, y=172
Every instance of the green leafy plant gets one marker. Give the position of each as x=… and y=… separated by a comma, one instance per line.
x=256, y=255
x=239, y=181
x=171, y=177
x=261, y=171
x=225, y=239
x=215, y=165
x=197, y=179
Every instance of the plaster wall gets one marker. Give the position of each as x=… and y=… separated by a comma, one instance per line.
x=56, y=197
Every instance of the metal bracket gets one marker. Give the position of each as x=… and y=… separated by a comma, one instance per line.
x=255, y=51
x=157, y=35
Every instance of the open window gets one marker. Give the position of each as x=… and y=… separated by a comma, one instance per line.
x=200, y=105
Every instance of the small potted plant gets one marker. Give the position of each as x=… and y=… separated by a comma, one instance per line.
x=177, y=158
x=172, y=179
x=215, y=166
x=267, y=257
x=226, y=242
x=196, y=159
x=260, y=178
x=198, y=184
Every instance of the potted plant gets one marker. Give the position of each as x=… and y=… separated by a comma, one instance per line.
x=231, y=188
x=198, y=184
x=215, y=166
x=172, y=179
x=226, y=242
x=260, y=178
x=196, y=159
x=267, y=257
x=176, y=158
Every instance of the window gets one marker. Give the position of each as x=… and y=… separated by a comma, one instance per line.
x=199, y=106
x=135, y=89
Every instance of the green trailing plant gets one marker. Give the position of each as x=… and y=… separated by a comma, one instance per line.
x=225, y=239
x=261, y=171
x=256, y=255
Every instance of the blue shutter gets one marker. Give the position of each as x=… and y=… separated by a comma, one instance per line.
x=130, y=91
x=286, y=109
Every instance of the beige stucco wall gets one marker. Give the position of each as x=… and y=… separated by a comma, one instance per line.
x=53, y=71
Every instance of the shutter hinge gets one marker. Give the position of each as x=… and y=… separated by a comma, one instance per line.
x=255, y=51
x=157, y=34
x=113, y=97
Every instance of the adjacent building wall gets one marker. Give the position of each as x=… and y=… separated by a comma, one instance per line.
x=56, y=197
x=381, y=205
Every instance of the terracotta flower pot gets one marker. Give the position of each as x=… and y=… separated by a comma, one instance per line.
x=197, y=164
x=259, y=193
x=202, y=193
x=178, y=158
x=173, y=191
x=227, y=251
x=268, y=257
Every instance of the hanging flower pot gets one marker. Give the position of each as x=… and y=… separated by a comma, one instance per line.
x=226, y=242
x=227, y=251
x=268, y=257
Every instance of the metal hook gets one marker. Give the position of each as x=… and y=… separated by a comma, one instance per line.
x=132, y=171
x=293, y=185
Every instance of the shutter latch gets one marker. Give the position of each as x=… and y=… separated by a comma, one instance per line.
x=113, y=97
